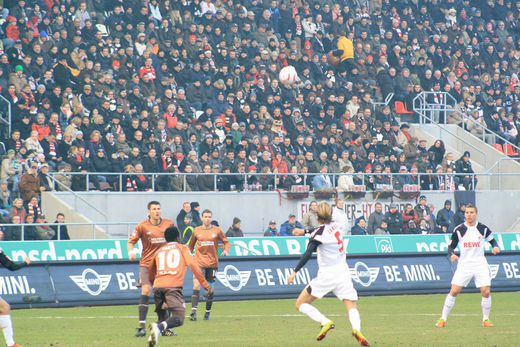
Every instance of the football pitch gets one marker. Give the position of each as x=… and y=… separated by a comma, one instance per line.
x=386, y=321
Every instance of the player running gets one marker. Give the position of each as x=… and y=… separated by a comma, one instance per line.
x=166, y=272
x=333, y=275
x=5, y=317
x=151, y=233
x=470, y=236
x=205, y=241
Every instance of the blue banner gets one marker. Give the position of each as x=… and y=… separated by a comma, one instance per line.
x=114, y=282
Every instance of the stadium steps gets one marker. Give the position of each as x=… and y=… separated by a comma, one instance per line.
x=52, y=204
x=484, y=157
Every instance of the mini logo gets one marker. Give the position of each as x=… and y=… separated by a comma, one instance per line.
x=363, y=274
x=232, y=278
x=91, y=282
x=493, y=270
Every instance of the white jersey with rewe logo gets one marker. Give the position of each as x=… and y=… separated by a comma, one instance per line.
x=331, y=251
x=471, y=241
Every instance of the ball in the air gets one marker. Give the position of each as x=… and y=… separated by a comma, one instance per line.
x=288, y=75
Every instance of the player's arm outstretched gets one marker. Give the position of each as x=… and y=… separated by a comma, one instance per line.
x=194, y=267
x=311, y=248
x=11, y=265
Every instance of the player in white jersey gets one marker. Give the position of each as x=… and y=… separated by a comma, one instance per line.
x=333, y=275
x=470, y=236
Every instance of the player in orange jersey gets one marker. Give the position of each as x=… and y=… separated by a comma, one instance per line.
x=205, y=240
x=151, y=233
x=166, y=272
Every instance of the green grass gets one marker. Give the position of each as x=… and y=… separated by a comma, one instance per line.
x=386, y=321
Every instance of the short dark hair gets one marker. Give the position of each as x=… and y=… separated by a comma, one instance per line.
x=206, y=211
x=60, y=214
x=153, y=202
x=470, y=205
x=171, y=234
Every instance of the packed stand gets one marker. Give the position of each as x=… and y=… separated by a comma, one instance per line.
x=169, y=87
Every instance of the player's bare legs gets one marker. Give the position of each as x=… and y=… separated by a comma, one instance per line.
x=355, y=321
x=486, y=306
x=303, y=304
x=195, y=299
x=449, y=302
x=5, y=322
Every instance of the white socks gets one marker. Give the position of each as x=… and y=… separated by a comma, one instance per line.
x=486, y=308
x=448, y=305
x=313, y=313
x=7, y=327
x=355, y=320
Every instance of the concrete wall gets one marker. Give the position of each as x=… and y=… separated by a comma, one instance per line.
x=255, y=209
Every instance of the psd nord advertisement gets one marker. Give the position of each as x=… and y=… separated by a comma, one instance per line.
x=114, y=282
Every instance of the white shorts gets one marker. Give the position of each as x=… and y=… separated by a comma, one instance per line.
x=338, y=282
x=466, y=272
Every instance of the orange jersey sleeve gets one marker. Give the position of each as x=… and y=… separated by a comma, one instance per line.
x=152, y=238
x=205, y=242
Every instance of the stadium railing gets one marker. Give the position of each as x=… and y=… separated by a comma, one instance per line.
x=87, y=230
x=428, y=112
x=118, y=179
x=5, y=113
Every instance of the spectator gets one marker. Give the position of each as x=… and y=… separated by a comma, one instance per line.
x=359, y=227
x=272, y=230
x=187, y=232
x=13, y=232
x=46, y=183
x=445, y=216
x=195, y=214
x=11, y=169
x=186, y=208
x=424, y=227
x=60, y=231
x=322, y=181
x=291, y=227
x=43, y=232
x=29, y=232
x=382, y=229
x=463, y=167
x=310, y=218
x=234, y=230
x=340, y=217
x=394, y=220
x=375, y=218
x=408, y=215
x=346, y=180
x=458, y=217
x=30, y=183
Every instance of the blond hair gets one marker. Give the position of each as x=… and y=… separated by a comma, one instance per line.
x=324, y=212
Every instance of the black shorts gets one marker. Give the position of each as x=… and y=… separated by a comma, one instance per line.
x=171, y=299
x=210, y=273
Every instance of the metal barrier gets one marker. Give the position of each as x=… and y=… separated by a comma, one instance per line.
x=422, y=107
x=428, y=112
x=247, y=185
x=5, y=113
x=78, y=228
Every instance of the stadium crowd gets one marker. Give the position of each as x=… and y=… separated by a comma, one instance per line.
x=138, y=87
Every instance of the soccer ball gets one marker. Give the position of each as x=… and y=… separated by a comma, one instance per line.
x=288, y=75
